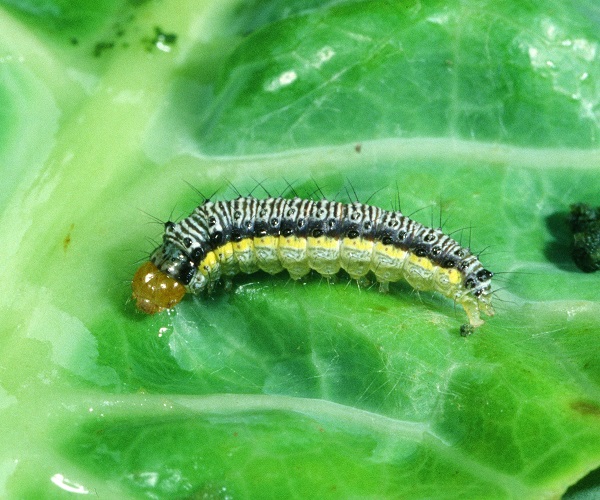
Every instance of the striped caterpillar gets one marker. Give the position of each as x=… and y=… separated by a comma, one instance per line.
x=221, y=239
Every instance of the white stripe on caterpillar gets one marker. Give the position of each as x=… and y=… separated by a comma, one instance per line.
x=244, y=235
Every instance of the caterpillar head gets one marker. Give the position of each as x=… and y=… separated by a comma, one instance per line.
x=154, y=291
x=161, y=283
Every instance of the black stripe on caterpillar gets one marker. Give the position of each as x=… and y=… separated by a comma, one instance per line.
x=221, y=239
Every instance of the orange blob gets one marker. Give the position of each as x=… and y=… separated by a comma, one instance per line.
x=155, y=291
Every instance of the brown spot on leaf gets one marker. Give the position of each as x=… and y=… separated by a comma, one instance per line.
x=67, y=240
x=586, y=408
x=383, y=309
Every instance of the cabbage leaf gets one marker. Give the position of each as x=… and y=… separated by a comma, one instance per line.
x=481, y=117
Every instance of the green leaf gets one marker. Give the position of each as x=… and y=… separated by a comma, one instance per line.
x=402, y=69
x=477, y=116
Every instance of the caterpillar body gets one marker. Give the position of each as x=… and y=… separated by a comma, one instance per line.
x=221, y=239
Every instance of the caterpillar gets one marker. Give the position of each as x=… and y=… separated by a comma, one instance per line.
x=223, y=238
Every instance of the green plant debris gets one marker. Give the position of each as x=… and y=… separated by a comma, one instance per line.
x=585, y=225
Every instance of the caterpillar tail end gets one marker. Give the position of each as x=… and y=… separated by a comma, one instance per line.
x=474, y=308
x=154, y=291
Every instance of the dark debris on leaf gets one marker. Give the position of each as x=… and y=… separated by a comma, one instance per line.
x=161, y=40
x=584, y=222
x=466, y=330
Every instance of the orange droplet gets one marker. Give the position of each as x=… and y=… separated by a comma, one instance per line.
x=155, y=291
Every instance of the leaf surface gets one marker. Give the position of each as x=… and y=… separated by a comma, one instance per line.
x=480, y=117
